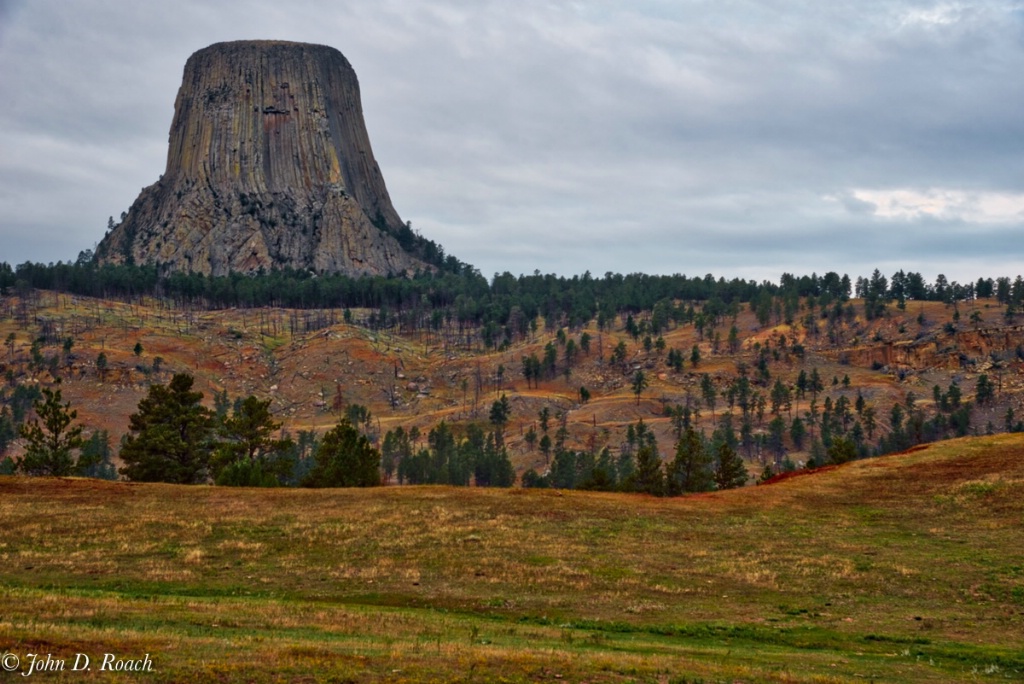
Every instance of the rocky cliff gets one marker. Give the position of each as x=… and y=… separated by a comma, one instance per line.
x=269, y=166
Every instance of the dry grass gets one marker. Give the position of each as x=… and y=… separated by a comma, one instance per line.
x=253, y=352
x=905, y=568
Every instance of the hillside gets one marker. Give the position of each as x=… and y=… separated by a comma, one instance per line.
x=906, y=568
x=314, y=365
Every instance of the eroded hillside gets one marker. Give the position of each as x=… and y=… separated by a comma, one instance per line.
x=314, y=365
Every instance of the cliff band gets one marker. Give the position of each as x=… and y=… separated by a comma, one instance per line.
x=269, y=166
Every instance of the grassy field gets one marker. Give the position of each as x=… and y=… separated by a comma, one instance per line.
x=908, y=568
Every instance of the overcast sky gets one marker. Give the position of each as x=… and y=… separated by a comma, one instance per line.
x=730, y=137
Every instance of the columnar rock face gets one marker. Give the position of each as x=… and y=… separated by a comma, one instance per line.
x=269, y=167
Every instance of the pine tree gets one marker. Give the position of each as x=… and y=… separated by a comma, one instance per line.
x=170, y=438
x=708, y=392
x=396, y=448
x=639, y=385
x=797, y=432
x=345, y=458
x=501, y=410
x=730, y=471
x=563, y=470
x=648, y=478
x=95, y=458
x=50, y=446
x=249, y=455
x=691, y=469
x=842, y=450
x=984, y=392
x=492, y=466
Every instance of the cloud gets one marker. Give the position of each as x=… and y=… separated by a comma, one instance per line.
x=943, y=203
x=742, y=138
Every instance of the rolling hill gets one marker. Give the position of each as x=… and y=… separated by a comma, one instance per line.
x=906, y=568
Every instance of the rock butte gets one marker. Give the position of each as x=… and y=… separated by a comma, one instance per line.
x=269, y=167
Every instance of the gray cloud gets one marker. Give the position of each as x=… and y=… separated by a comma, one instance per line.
x=651, y=136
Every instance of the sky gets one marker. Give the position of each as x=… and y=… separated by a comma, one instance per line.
x=738, y=138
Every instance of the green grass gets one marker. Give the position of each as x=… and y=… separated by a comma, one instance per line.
x=902, y=569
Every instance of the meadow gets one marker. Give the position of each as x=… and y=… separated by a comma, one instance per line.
x=906, y=568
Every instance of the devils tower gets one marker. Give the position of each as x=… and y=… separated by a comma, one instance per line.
x=269, y=167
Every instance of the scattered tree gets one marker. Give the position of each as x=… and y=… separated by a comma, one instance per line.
x=170, y=437
x=51, y=440
x=248, y=454
x=691, y=469
x=501, y=411
x=639, y=385
x=345, y=458
x=730, y=471
x=648, y=477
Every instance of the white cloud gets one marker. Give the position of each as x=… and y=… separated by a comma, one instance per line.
x=941, y=14
x=945, y=204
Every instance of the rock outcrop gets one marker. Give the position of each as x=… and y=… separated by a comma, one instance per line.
x=269, y=167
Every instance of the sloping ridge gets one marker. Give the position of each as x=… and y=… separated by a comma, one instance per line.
x=991, y=467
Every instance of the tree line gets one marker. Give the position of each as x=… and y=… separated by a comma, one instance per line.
x=504, y=308
x=173, y=438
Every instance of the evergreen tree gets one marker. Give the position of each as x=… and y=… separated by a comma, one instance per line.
x=396, y=448
x=842, y=450
x=797, y=433
x=619, y=354
x=492, y=467
x=170, y=438
x=563, y=470
x=544, y=415
x=345, y=458
x=532, y=480
x=691, y=469
x=50, y=446
x=730, y=471
x=221, y=404
x=648, y=478
x=815, y=384
x=600, y=474
x=8, y=429
x=249, y=451
x=984, y=392
x=530, y=438
x=639, y=385
x=545, y=447
x=95, y=459
x=625, y=466
x=776, y=434
x=501, y=410
x=708, y=392
x=448, y=461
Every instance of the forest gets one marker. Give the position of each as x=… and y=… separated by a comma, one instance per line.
x=505, y=306
x=769, y=411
